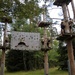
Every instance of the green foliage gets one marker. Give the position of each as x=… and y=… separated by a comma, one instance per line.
x=53, y=54
x=27, y=10
x=23, y=60
x=25, y=17
x=5, y=7
x=30, y=60
x=52, y=71
x=16, y=9
x=53, y=58
x=62, y=58
x=63, y=55
x=14, y=60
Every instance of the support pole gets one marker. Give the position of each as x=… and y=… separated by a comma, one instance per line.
x=45, y=53
x=3, y=52
x=73, y=7
x=45, y=45
x=2, y=63
x=71, y=56
x=65, y=13
x=46, y=63
x=68, y=12
x=69, y=43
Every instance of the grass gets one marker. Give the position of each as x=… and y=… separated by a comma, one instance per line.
x=55, y=71
x=52, y=71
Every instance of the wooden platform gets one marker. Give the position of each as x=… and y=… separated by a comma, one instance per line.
x=60, y=2
x=44, y=24
x=46, y=49
x=67, y=36
x=6, y=19
x=3, y=48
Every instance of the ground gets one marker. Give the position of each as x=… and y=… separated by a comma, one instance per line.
x=52, y=71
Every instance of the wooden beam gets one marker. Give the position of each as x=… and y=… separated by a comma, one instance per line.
x=61, y=2
x=64, y=37
x=2, y=47
x=44, y=24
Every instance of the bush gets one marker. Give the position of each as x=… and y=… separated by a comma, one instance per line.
x=23, y=60
x=14, y=60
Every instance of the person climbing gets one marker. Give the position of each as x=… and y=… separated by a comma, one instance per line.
x=62, y=27
x=70, y=24
x=48, y=43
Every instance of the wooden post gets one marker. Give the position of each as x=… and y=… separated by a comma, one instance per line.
x=68, y=12
x=71, y=56
x=2, y=62
x=46, y=63
x=69, y=43
x=72, y=3
x=3, y=52
x=65, y=13
x=45, y=53
x=45, y=45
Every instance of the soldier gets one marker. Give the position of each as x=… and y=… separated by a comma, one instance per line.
x=62, y=27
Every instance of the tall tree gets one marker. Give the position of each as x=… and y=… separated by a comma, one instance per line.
x=22, y=13
x=62, y=58
x=25, y=19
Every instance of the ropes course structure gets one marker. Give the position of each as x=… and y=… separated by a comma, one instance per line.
x=66, y=35
x=66, y=31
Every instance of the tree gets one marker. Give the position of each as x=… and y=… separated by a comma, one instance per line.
x=53, y=54
x=23, y=13
x=14, y=62
x=25, y=20
x=30, y=60
x=5, y=7
x=63, y=57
